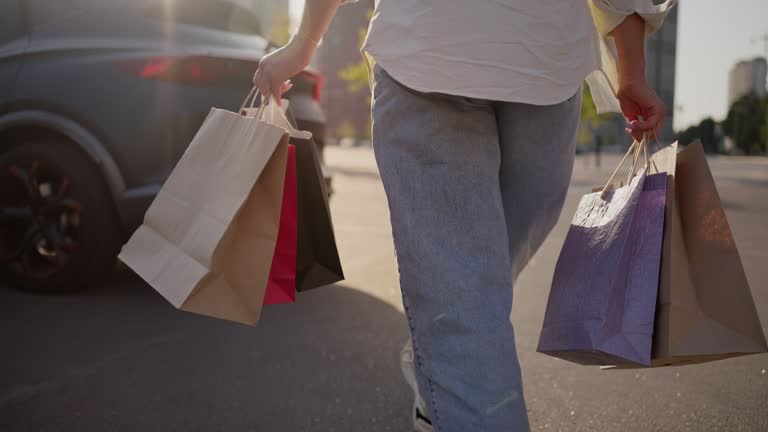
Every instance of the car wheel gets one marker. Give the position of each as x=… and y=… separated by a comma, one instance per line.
x=58, y=227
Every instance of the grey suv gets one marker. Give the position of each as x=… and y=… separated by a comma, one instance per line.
x=98, y=101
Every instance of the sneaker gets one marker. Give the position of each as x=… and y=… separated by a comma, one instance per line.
x=421, y=422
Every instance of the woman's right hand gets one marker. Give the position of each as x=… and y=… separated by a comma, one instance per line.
x=276, y=68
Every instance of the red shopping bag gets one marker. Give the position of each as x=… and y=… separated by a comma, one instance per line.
x=281, y=287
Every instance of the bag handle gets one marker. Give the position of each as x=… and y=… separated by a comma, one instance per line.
x=634, y=149
x=252, y=96
x=274, y=114
x=270, y=112
x=636, y=157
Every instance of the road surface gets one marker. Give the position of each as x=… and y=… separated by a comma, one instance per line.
x=120, y=358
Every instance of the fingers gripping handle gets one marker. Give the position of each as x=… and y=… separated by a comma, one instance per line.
x=268, y=111
x=634, y=150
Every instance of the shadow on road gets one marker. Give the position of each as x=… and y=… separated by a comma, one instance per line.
x=122, y=359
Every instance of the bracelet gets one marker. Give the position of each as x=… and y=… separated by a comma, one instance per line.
x=308, y=37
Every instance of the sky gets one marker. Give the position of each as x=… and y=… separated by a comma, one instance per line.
x=712, y=36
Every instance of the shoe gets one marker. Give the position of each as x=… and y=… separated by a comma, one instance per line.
x=421, y=422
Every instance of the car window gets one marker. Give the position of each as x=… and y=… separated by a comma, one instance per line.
x=44, y=12
x=214, y=15
x=244, y=21
x=10, y=20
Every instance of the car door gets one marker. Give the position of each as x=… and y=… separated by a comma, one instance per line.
x=13, y=43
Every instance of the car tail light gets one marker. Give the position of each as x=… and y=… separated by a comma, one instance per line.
x=316, y=81
x=195, y=70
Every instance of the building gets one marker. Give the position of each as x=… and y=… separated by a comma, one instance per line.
x=347, y=112
x=660, y=61
x=746, y=77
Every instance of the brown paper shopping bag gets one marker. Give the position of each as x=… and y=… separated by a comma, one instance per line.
x=208, y=239
x=705, y=309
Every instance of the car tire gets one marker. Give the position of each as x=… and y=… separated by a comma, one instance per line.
x=59, y=229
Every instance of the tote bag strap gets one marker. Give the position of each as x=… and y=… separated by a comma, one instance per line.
x=252, y=96
x=634, y=150
x=273, y=114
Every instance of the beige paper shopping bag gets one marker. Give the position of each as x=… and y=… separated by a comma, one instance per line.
x=207, y=240
x=705, y=309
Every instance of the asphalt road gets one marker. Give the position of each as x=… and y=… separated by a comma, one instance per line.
x=122, y=359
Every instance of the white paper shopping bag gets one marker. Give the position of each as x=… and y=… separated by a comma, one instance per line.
x=207, y=240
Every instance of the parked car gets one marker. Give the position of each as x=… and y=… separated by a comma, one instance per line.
x=98, y=101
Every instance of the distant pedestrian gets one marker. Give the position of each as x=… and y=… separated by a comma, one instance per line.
x=475, y=110
x=598, y=149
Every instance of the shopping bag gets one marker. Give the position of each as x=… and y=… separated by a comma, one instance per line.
x=602, y=303
x=705, y=309
x=317, y=262
x=208, y=238
x=281, y=287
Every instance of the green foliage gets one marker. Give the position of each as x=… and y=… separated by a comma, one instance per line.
x=279, y=32
x=764, y=129
x=356, y=75
x=589, y=113
x=746, y=123
x=346, y=130
x=705, y=131
x=591, y=121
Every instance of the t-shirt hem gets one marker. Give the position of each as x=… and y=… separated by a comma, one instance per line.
x=397, y=76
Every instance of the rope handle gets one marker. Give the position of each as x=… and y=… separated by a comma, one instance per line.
x=652, y=134
x=636, y=157
x=270, y=112
x=634, y=150
x=252, y=96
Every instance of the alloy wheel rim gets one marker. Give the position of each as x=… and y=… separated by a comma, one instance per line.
x=39, y=219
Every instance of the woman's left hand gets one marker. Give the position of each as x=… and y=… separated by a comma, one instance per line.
x=642, y=108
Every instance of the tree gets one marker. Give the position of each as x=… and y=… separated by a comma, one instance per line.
x=764, y=129
x=346, y=130
x=746, y=123
x=704, y=131
x=591, y=121
x=707, y=135
x=356, y=75
x=279, y=32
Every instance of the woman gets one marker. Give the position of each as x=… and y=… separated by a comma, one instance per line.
x=475, y=110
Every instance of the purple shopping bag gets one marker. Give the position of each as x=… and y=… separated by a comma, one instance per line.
x=602, y=304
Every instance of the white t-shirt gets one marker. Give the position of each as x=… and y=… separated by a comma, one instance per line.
x=530, y=51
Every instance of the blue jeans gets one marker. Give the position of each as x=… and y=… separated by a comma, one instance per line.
x=474, y=187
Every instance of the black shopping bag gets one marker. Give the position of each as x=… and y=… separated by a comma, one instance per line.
x=317, y=258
